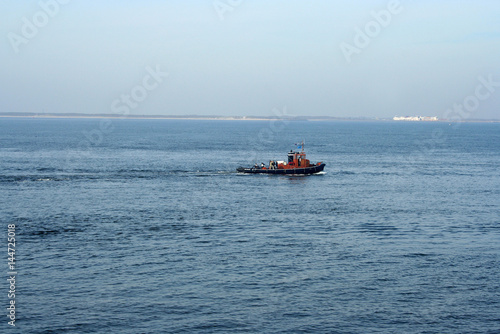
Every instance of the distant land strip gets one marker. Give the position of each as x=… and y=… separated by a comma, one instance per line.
x=216, y=117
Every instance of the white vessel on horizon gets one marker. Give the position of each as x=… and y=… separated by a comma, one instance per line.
x=416, y=118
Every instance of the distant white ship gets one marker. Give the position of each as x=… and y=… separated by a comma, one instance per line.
x=415, y=118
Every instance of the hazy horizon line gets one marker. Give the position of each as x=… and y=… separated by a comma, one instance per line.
x=221, y=117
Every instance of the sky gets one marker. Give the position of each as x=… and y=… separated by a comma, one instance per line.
x=251, y=58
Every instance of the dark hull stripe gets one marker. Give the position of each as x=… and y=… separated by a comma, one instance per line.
x=295, y=171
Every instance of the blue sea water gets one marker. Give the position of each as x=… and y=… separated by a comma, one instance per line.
x=143, y=226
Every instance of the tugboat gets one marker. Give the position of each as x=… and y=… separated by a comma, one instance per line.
x=297, y=164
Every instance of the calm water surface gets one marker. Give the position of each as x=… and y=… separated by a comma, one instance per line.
x=146, y=228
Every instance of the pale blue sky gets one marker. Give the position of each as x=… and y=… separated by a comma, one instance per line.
x=262, y=55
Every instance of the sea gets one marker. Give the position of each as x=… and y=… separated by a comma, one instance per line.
x=143, y=226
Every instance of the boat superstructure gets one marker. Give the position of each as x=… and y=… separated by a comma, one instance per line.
x=296, y=163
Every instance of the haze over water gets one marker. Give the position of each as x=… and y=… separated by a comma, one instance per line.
x=337, y=58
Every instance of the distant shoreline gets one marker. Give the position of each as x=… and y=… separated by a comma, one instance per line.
x=229, y=118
